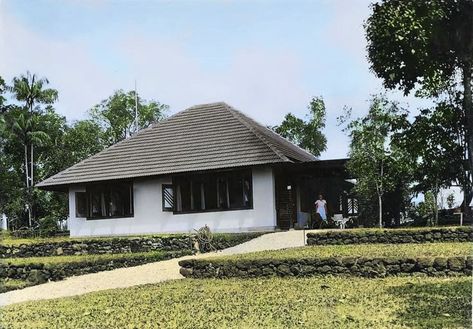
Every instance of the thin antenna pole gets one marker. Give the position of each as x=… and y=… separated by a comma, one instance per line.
x=136, y=110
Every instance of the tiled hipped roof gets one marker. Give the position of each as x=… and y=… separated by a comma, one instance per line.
x=203, y=137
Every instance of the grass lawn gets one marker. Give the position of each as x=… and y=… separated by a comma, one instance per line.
x=413, y=250
x=330, y=302
x=12, y=284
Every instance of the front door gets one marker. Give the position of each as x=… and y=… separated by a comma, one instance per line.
x=285, y=203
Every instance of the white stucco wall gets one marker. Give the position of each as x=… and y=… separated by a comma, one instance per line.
x=150, y=218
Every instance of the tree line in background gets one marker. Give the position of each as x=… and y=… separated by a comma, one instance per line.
x=36, y=142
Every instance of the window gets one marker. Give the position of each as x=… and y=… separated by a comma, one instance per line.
x=352, y=206
x=168, y=198
x=108, y=201
x=212, y=192
x=81, y=204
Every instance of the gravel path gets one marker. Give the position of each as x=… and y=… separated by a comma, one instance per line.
x=143, y=274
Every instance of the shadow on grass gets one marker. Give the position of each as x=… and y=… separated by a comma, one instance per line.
x=441, y=305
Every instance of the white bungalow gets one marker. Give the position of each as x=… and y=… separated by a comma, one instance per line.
x=207, y=165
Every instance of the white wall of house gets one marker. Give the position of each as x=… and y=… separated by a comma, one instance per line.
x=150, y=218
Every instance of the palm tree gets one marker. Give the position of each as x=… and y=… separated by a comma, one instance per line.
x=30, y=90
x=20, y=128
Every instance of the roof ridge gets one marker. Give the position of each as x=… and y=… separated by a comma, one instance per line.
x=237, y=115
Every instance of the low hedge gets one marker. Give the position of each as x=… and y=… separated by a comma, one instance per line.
x=357, y=266
x=394, y=236
x=36, y=272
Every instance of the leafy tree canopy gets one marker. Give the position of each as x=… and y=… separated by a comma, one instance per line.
x=420, y=42
x=28, y=88
x=433, y=141
x=116, y=115
x=306, y=133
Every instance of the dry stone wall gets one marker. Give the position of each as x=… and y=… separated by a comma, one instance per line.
x=456, y=234
x=357, y=266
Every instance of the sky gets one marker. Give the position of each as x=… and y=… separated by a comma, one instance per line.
x=265, y=58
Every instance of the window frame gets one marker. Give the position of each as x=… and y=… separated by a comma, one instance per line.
x=223, y=174
x=164, y=208
x=86, y=199
x=108, y=187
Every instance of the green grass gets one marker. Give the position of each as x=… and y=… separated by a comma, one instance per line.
x=330, y=302
x=158, y=255
x=12, y=284
x=413, y=250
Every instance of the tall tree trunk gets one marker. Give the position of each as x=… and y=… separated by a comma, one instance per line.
x=380, y=189
x=468, y=109
x=31, y=197
x=380, y=206
x=28, y=187
x=435, y=207
x=32, y=166
x=27, y=176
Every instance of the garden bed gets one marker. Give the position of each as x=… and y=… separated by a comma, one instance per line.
x=328, y=302
x=441, y=259
x=394, y=236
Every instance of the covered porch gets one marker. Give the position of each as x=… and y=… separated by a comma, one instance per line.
x=298, y=186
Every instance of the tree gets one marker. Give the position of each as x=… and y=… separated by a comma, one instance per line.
x=82, y=140
x=116, y=115
x=377, y=164
x=426, y=44
x=20, y=129
x=432, y=140
x=307, y=134
x=30, y=90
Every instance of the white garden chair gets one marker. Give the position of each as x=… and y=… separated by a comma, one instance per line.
x=340, y=221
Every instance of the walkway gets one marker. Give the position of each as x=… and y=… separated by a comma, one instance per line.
x=143, y=274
